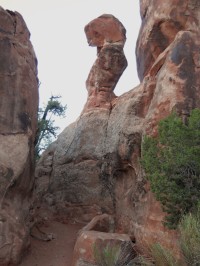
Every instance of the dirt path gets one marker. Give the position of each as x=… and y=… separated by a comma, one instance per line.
x=57, y=252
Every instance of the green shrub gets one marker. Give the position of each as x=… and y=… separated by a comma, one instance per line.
x=189, y=228
x=162, y=256
x=189, y=242
x=172, y=165
x=106, y=256
x=114, y=254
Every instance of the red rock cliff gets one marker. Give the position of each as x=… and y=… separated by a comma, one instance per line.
x=94, y=166
x=18, y=122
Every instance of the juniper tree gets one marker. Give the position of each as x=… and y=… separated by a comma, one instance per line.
x=47, y=130
x=172, y=165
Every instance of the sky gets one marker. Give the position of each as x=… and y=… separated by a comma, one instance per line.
x=60, y=44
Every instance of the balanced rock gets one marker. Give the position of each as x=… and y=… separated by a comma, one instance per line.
x=109, y=35
x=95, y=162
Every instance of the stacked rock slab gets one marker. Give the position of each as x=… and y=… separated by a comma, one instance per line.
x=108, y=35
x=18, y=118
x=94, y=166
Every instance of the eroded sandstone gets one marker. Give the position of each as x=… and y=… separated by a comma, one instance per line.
x=109, y=35
x=95, y=163
x=18, y=124
x=91, y=247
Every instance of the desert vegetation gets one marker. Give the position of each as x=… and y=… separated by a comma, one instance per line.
x=172, y=165
x=47, y=131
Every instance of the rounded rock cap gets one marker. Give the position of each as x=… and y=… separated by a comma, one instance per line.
x=105, y=29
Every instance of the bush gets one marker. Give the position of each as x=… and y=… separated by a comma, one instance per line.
x=172, y=165
x=189, y=228
x=106, y=256
x=113, y=254
x=162, y=256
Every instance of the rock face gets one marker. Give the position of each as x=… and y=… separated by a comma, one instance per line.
x=162, y=24
x=94, y=166
x=18, y=118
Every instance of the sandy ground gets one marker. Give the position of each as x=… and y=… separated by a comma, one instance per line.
x=57, y=252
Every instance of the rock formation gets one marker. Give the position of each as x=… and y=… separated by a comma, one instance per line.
x=18, y=118
x=87, y=254
x=109, y=35
x=94, y=166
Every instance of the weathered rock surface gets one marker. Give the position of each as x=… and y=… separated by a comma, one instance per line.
x=101, y=223
x=108, y=35
x=95, y=163
x=161, y=22
x=91, y=246
x=18, y=118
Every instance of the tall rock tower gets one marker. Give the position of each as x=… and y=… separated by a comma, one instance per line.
x=18, y=123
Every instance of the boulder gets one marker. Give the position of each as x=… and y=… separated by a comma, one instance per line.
x=99, y=248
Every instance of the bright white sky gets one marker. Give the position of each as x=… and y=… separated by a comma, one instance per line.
x=64, y=57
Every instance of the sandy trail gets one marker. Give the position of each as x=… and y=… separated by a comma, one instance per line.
x=57, y=252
